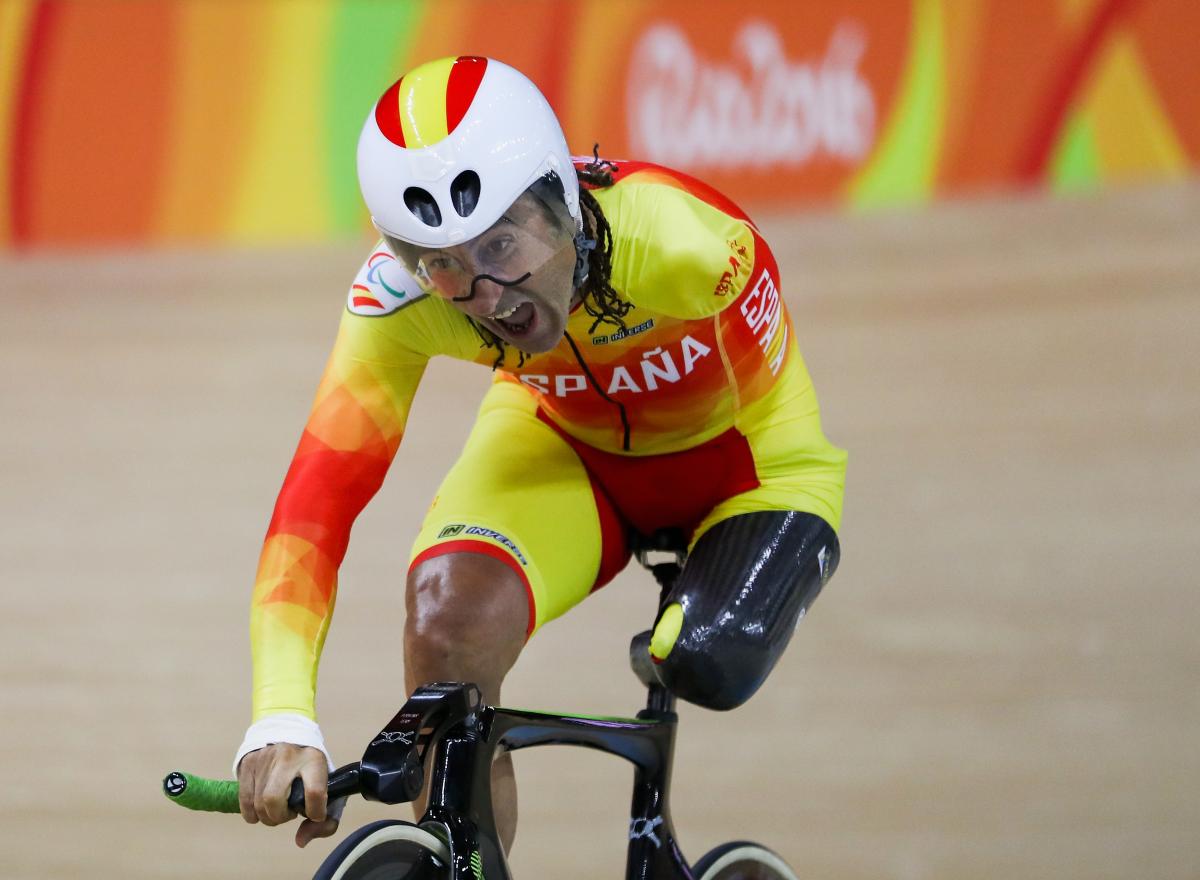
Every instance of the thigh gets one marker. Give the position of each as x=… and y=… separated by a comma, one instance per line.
x=519, y=494
x=797, y=469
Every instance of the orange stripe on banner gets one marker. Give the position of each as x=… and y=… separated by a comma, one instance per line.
x=16, y=17
x=1166, y=38
x=600, y=36
x=442, y=32
x=964, y=34
x=212, y=107
x=99, y=141
x=27, y=115
x=561, y=17
x=1045, y=130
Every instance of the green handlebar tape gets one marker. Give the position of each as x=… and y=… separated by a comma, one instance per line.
x=198, y=793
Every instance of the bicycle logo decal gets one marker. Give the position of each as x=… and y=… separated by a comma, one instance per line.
x=642, y=828
x=404, y=737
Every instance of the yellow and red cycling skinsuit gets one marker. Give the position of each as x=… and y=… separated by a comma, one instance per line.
x=701, y=408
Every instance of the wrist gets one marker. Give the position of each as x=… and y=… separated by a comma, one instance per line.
x=284, y=728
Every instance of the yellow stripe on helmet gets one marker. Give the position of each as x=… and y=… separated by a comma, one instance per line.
x=423, y=103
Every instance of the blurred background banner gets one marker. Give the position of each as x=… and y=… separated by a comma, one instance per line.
x=215, y=122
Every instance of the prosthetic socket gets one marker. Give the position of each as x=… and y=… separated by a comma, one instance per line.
x=745, y=586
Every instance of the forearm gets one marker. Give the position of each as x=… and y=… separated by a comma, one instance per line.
x=296, y=585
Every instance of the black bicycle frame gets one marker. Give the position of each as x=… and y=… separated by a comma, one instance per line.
x=466, y=735
x=460, y=796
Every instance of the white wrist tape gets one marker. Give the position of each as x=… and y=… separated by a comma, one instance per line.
x=286, y=728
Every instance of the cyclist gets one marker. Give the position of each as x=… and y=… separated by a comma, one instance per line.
x=645, y=375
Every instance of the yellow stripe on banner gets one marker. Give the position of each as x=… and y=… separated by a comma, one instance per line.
x=211, y=113
x=423, y=103
x=283, y=191
x=600, y=34
x=14, y=27
x=1133, y=132
x=904, y=165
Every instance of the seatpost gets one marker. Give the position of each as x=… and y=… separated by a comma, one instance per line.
x=658, y=698
x=674, y=543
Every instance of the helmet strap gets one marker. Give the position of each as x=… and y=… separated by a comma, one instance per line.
x=583, y=245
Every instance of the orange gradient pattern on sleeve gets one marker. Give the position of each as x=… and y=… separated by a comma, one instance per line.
x=352, y=434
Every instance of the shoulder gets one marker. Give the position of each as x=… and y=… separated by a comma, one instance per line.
x=663, y=180
x=679, y=246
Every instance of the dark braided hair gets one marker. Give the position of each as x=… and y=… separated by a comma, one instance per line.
x=599, y=299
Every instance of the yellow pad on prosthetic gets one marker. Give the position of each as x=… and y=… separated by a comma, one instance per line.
x=666, y=631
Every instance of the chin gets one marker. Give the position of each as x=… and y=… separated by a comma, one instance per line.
x=538, y=343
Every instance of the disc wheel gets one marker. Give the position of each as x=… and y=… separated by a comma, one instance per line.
x=387, y=850
x=742, y=861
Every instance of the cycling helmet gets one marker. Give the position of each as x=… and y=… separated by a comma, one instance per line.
x=452, y=144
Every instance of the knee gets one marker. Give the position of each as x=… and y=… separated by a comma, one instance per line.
x=714, y=666
x=466, y=616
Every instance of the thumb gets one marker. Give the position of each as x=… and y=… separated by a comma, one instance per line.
x=310, y=830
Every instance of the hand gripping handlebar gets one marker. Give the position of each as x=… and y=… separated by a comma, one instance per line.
x=392, y=769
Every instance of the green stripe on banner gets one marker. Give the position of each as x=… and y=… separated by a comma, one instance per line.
x=368, y=38
x=905, y=167
x=1075, y=164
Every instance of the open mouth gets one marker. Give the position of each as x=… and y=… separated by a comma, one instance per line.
x=518, y=320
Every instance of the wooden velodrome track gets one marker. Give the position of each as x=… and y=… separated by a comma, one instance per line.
x=1002, y=681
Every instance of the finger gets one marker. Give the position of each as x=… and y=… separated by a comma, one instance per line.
x=316, y=784
x=309, y=830
x=275, y=793
x=245, y=775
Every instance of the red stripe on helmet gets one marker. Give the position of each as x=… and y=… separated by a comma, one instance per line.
x=465, y=77
x=387, y=114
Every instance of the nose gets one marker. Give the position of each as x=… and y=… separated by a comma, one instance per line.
x=486, y=298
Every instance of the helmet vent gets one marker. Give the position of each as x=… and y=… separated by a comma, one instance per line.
x=423, y=205
x=464, y=193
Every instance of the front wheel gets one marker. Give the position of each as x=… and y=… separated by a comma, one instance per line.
x=387, y=850
x=742, y=861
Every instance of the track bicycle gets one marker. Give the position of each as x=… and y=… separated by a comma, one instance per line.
x=456, y=838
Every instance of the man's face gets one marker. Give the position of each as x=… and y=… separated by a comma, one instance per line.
x=516, y=278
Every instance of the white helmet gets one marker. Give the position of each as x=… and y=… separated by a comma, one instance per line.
x=452, y=144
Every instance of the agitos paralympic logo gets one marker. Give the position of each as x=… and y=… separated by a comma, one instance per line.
x=382, y=287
